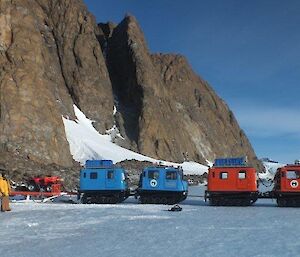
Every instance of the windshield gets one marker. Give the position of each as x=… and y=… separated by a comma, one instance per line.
x=293, y=174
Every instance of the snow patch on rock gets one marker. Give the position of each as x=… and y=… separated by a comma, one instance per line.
x=87, y=144
x=271, y=168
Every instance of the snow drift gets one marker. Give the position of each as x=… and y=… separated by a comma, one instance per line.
x=271, y=168
x=87, y=144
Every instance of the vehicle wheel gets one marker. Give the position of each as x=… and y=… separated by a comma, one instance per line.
x=142, y=200
x=213, y=201
x=172, y=200
x=113, y=199
x=246, y=202
x=48, y=188
x=293, y=203
x=33, y=187
x=85, y=199
x=280, y=202
x=164, y=200
x=153, y=200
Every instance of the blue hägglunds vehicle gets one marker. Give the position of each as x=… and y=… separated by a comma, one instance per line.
x=162, y=185
x=102, y=182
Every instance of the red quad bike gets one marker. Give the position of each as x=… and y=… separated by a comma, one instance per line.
x=44, y=184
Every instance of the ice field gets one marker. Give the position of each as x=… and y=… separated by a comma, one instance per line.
x=135, y=230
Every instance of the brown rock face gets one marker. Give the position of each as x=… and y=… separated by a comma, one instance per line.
x=50, y=58
x=166, y=110
x=53, y=55
x=81, y=61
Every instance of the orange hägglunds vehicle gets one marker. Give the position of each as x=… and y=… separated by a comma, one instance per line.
x=231, y=182
x=287, y=185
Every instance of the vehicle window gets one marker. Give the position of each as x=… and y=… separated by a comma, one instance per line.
x=93, y=175
x=171, y=175
x=153, y=174
x=293, y=174
x=84, y=174
x=110, y=174
x=180, y=171
x=123, y=176
x=242, y=174
x=223, y=175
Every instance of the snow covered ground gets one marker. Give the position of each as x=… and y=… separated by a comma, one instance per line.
x=87, y=144
x=134, y=230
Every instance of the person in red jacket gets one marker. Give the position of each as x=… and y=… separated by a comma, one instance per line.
x=4, y=192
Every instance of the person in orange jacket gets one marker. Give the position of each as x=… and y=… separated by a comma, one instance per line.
x=4, y=192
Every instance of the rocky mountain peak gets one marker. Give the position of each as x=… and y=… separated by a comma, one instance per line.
x=54, y=55
x=165, y=109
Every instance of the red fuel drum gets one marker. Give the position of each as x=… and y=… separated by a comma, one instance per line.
x=232, y=186
x=287, y=185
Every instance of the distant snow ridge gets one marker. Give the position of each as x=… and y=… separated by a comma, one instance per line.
x=271, y=168
x=87, y=144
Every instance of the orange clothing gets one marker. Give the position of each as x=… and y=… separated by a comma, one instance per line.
x=4, y=186
x=4, y=192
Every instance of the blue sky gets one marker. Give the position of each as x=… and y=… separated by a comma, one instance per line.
x=248, y=51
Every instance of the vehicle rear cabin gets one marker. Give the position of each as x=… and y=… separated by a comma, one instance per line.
x=231, y=182
x=102, y=182
x=287, y=186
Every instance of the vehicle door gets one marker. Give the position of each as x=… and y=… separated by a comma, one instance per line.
x=110, y=179
x=153, y=179
x=171, y=180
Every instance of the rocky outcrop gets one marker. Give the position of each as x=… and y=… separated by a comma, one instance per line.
x=50, y=59
x=82, y=64
x=166, y=110
x=53, y=55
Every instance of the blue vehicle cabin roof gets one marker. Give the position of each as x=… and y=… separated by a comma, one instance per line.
x=93, y=164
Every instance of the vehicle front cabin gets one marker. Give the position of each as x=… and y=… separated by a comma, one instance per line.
x=162, y=185
x=287, y=186
x=287, y=179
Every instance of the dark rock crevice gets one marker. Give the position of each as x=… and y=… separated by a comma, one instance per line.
x=123, y=75
x=68, y=86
